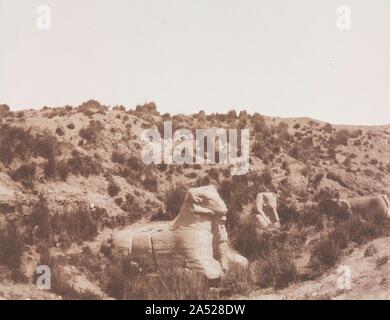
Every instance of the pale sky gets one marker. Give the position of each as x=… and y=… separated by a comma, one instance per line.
x=279, y=58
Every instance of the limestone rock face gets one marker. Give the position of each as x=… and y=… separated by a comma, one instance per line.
x=196, y=239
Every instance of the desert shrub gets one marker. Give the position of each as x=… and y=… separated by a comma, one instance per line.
x=174, y=198
x=14, y=142
x=191, y=175
x=78, y=222
x=214, y=174
x=84, y=165
x=302, y=150
x=286, y=166
x=60, y=131
x=119, y=108
x=150, y=183
x=237, y=280
x=126, y=281
x=91, y=107
x=310, y=216
x=4, y=109
x=382, y=261
x=20, y=114
x=62, y=170
x=25, y=174
x=231, y=116
x=370, y=251
x=253, y=243
x=260, y=150
x=341, y=138
x=331, y=153
x=125, y=172
x=148, y=108
x=60, y=284
x=118, y=201
x=282, y=131
x=259, y=124
x=134, y=164
x=162, y=167
x=133, y=212
x=329, y=248
x=234, y=193
x=92, y=133
x=267, y=177
x=369, y=173
x=11, y=246
x=118, y=157
x=288, y=213
x=374, y=162
x=182, y=284
x=45, y=146
x=71, y=126
x=40, y=218
x=276, y=269
x=325, y=253
x=113, y=189
x=50, y=167
x=297, y=126
x=328, y=128
x=202, y=181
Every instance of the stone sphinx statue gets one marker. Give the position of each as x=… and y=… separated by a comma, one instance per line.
x=196, y=239
x=267, y=215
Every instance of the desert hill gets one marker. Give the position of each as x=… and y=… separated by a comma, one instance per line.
x=71, y=175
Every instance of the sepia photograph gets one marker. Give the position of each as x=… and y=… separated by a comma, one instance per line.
x=190, y=150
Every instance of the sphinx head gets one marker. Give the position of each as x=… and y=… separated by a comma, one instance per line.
x=201, y=204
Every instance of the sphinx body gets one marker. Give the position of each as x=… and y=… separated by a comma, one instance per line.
x=196, y=239
x=369, y=206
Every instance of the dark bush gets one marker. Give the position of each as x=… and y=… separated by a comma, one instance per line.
x=276, y=269
x=40, y=218
x=62, y=170
x=341, y=138
x=50, y=168
x=11, y=246
x=113, y=189
x=15, y=142
x=60, y=131
x=25, y=174
x=78, y=222
x=134, y=164
x=118, y=157
x=288, y=213
x=45, y=146
x=84, y=165
x=150, y=183
x=325, y=253
x=174, y=198
x=92, y=133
